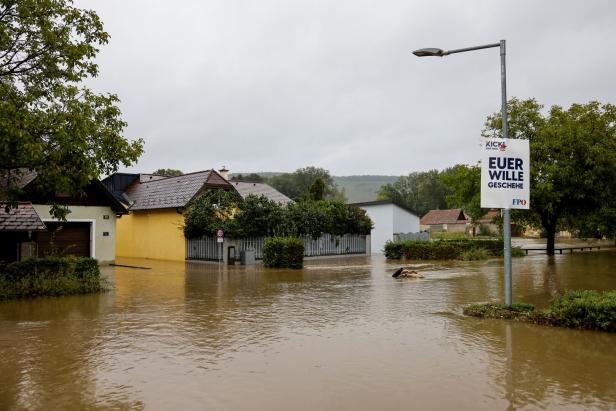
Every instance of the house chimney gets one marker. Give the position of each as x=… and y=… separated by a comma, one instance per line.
x=224, y=172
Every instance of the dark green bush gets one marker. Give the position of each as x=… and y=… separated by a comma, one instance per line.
x=473, y=254
x=585, y=309
x=258, y=216
x=50, y=276
x=574, y=309
x=279, y=252
x=441, y=249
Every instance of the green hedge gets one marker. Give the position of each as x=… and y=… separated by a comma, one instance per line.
x=279, y=252
x=575, y=309
x=585, y=309
x=441, y=249
x=50, y=276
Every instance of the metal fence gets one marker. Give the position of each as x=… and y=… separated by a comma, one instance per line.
x=329, y=244
x=203, y=248
x=206, y=248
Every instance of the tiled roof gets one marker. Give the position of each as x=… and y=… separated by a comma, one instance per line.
x=453, y=216
x=22, y=218
x=170, y=192
x=246, y=188
x=22, y=177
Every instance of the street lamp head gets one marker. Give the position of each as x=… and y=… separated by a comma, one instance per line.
x=430, y=52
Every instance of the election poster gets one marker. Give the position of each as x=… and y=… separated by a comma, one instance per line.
x=505, y=173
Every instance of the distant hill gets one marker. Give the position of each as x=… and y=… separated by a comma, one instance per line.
x=356, y=188
x=363, y=188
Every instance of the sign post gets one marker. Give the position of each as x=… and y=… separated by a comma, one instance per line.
x=220, y=238
x=505, y=183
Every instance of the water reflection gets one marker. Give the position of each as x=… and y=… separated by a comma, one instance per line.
x=341, y=333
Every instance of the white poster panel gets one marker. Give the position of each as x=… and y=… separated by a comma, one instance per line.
x=505, y=173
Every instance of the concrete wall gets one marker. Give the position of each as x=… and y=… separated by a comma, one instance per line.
x=405, y=222
x=101, y=247
x=155, y=234
x=383, y=217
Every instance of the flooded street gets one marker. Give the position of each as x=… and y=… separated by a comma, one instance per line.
x=339, y=334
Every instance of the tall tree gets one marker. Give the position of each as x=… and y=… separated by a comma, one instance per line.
x=419, y=191
x=170, y=172
x=464, y=190
x=298, y=183
x=573, y=162
x=49, y=122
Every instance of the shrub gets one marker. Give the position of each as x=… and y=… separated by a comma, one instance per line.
x=279, y=252
x=574, y=309
x=517, y=252
x=585, y=309
x=50, y=276
x=440, y=250
x=473, y=254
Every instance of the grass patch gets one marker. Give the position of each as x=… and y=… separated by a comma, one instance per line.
x=574, y=309
x=50, y=276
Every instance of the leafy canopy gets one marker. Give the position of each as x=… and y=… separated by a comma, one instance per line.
x=573, y=164
x=170, y=172
x=49, y=122
x=298, y=183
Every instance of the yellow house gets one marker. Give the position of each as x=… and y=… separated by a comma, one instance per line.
x=153, y=228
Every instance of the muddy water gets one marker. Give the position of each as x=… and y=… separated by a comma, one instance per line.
x=339, y=334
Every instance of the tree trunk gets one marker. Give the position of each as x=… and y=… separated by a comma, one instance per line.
x=551, y=234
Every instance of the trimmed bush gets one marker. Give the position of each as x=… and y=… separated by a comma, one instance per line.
x=440, y=250
x=50, y=276
x=574, y=309
x=280, y=252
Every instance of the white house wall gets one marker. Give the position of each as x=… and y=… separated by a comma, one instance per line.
x=404, y=222
x=383, y=218
x=102, y=247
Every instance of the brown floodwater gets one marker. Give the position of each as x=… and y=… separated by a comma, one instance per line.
x=339, y=334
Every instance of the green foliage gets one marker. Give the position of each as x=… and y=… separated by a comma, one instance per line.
x=48, y=121
x=420, y=192
x=317, y=190
x=573, y=157
x=516, y=311
x=464, y=190
x=281, y=252
x=585, y=309
x=50, y=276
x=314, y=218
x=297, y=184
x=261, y=217
x=575, y=309
x=212, y=211
x=473, y=254
x=517, y=252
x=252, y=177
x=442, y=249
x=169, y=172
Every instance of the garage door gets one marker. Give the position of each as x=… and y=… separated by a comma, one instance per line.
x=66, y=238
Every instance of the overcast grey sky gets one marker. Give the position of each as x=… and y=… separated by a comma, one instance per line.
x=274, y=85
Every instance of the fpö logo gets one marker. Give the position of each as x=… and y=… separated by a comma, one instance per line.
x=519, y=202
x=496, y=145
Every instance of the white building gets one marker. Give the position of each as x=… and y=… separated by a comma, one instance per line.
x=388, y=218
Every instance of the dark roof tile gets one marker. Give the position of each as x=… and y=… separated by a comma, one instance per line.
x=22, y=218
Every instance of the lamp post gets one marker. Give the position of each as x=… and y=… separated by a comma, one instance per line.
x=434, y=52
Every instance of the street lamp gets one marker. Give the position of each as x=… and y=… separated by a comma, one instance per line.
x=435, y=52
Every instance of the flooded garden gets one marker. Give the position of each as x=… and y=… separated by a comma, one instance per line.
x=339, y=334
